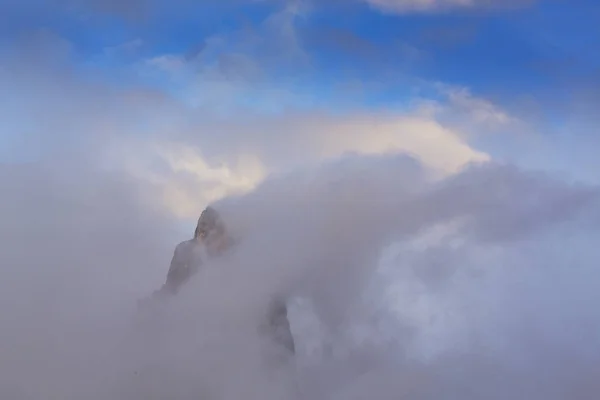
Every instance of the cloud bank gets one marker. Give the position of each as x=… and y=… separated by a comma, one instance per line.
x=480, y=284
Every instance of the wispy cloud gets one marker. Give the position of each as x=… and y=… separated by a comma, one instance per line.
x=408, y=6
x=210, y=149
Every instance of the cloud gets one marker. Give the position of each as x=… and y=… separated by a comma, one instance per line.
x=458, y=108
x=408, y=6
x=208, y=160
x=477, y=283
x=211, y=159
x=481, y=111
x=186, y=180
x=235, y=66
x=473, y=301
x=197, y=155
x=77, y=246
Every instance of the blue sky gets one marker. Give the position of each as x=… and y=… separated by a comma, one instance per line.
x=525, y=49
x=517, y=80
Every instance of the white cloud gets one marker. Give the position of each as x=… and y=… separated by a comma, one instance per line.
x=480, y=111
x=184, y=180
x=436, y=146
x=171, y=64
x=419, y=5
x=237, y=68
x=213, y=159
x=193, y=156
x=458, y=105
x=407, y=6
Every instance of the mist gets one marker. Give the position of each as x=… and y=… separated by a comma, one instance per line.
x=401, y=285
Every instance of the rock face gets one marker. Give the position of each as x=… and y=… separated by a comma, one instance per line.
x=212, y=239
x=277, y=327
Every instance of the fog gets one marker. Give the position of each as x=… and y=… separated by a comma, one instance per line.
x=402, y=285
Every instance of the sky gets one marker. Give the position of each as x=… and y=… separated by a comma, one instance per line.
x=418, y=176
x=515, y=80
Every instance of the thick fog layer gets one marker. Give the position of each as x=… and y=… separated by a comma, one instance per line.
x=480, y=286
